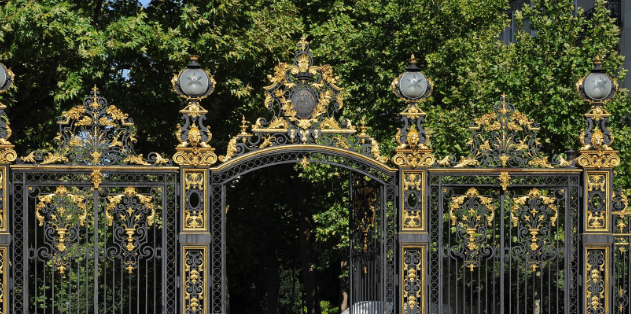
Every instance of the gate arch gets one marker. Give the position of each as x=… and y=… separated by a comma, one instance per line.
x=385, y=176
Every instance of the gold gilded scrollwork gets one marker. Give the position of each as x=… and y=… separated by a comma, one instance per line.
x=194, y=149
x=598, y=159
x=193, y=280
x=62, y=211
x=96, y=177
x=414, y=187
x=471, y=218
x=413, y=279
x=530, y=213
x=131, y=217
x=194, y=186
x=504, y=178
x=596, y=276
x=90, y=134
x=597, y=206
x=195, y=157
x=504, y=138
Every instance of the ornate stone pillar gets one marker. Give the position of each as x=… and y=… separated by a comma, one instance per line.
x=413, y=157
x=194, y=155
x=598, y=159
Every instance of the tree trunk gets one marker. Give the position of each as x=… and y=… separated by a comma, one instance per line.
x=273, y=289
x=343, y=300
x=298, y=191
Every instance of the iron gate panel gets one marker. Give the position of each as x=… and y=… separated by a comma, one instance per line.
x=495, y=251
x=109, y=247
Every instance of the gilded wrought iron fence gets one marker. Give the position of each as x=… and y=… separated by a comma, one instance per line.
x=91, y=226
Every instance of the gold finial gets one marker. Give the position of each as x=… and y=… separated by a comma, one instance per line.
x=94, y=103
x=194, y=57
x=412, y=59
x=363, y=126
x=243, y=125
x=597, y=60
x=303, y=42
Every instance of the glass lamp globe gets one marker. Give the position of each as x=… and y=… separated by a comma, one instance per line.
x=194, y=82
x=597, y=86
x=413, y=85
x=3, y=75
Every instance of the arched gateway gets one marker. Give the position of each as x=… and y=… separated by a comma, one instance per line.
x=92, y=226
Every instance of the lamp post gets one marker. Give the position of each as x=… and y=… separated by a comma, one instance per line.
x=7, y=154
x=412, y=87
x=597, y=158
x=194, y=84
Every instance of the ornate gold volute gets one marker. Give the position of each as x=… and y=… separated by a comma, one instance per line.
x=412, y=87
x=7, y=154
x=194, y=84
x=597, y=88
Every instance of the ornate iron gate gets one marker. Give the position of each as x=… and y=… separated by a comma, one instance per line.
x=107, y=247
x=94, y=227
x=93, y=234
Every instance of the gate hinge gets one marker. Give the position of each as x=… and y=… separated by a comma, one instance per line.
x=178, y=281
x=581, y=192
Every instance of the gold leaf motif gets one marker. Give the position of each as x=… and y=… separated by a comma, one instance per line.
x=466, y=162
x=104, y=121
x=598, y=159
x=267, y=141
x=160, y=160
x=230, y=152
x=116, y=114
x=329, y=123
x=341, y=142
x=135, y=160
x=504, y=178
x=195, y=157
x=279, y=123
x=29, y=158
x=85, y=121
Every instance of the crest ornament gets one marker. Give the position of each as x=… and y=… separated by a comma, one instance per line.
x=93, y=133
x=503, y=138
x=305, y=102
